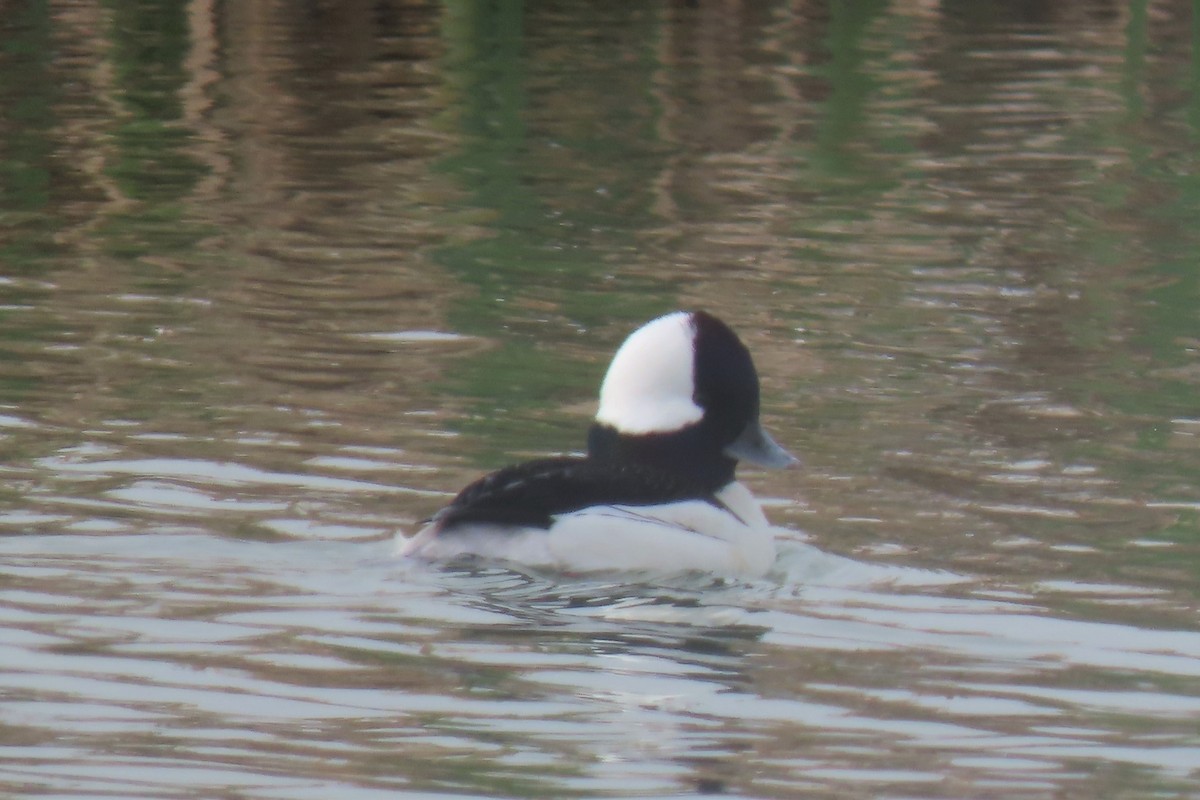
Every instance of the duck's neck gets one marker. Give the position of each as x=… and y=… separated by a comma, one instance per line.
x=689, y=453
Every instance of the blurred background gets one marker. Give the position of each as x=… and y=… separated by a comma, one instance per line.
x=277, y=279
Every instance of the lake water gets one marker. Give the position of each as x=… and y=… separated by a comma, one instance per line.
x=276, y=280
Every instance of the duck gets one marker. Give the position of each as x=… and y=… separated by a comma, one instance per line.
x=657, y=488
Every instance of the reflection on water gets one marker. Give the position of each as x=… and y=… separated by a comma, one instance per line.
x=276, y=281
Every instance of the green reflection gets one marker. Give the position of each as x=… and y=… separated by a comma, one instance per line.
x=1134, y=250
x=1162, y=196
x=27, y=97
x=28, y=174
x=838, y=152
x=94, y=174
x=149, y=42
x=548, y=192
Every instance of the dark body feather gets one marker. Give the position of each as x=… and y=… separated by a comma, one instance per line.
x=531, y=494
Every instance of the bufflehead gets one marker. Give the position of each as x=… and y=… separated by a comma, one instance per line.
x=656, y=491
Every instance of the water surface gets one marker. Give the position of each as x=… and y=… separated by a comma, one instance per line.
x=275, y=283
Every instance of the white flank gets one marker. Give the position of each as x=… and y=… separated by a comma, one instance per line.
x=648, y=388
x=672, y=537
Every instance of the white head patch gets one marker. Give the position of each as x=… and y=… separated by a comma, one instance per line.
x=648, y=387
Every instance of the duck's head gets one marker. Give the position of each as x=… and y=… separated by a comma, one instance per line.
x=682, y=395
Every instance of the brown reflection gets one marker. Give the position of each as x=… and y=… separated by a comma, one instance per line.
x=244, y=197
x=88, y=105
x=335, y=200
x=727, y=118
x=209, y=143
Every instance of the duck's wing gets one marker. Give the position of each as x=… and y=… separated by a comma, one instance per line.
x=534, y=493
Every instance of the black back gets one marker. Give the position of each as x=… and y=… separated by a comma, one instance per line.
x=530, y=494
